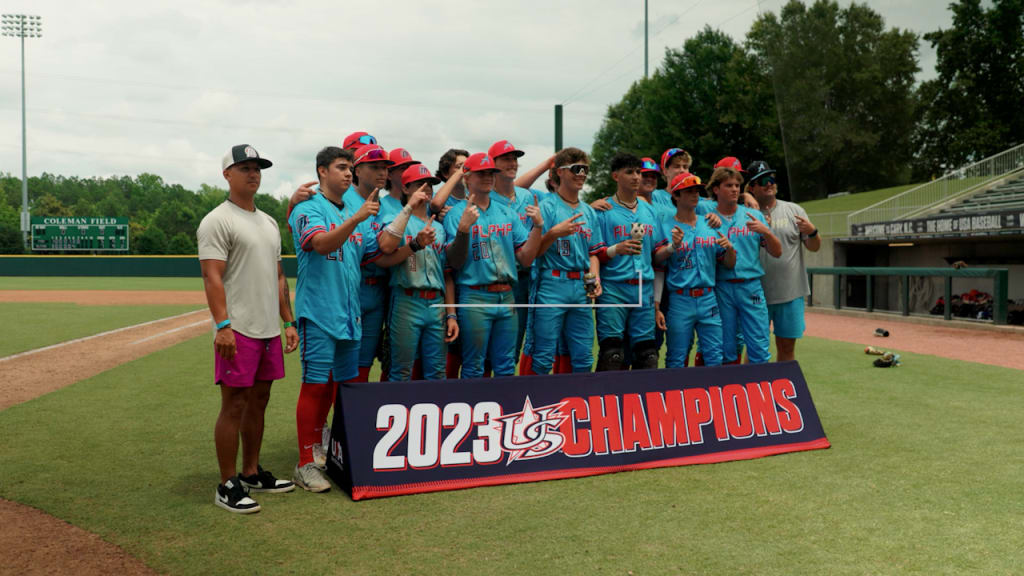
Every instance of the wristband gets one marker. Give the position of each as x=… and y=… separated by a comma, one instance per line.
x=223, y=324
x=291, y=324
x=613, y=250
x=813, y=234
x=414, y=245
x=452, y=316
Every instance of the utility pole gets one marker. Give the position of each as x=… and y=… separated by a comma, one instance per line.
x=645, y=39
x=22, y=26
x=558, y=127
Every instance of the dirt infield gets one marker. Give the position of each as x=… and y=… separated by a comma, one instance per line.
x=35, y=543
x=41, y=371
x=970, y=345
x=106, y=297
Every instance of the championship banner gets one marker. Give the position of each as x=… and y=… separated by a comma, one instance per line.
x=393, y=438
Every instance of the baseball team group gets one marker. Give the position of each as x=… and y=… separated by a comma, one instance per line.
x=469, y=271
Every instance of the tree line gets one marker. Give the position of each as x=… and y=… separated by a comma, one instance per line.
x=827, y=95
x=163, y=217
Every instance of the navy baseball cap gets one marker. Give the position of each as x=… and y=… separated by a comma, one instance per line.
x=243, y=153
x=759, y=168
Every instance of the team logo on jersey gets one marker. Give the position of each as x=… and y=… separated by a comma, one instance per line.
x=531, y=433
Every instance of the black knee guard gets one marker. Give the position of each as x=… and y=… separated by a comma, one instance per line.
x=645, y=355
x=610, y=355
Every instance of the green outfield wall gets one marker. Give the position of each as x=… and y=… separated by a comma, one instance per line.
x=153, y=266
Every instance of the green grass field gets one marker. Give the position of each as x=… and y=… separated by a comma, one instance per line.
x=923, y=478
x=853, y=201
x=44, y=323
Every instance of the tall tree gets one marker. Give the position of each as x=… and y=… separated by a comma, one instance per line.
x=709, y=97
x=844, y=94
x=973, y=108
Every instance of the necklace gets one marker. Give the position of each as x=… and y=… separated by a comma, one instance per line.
x=624, y=205
x=573, y=204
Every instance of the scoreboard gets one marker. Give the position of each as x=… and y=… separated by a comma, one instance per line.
x=79, y=234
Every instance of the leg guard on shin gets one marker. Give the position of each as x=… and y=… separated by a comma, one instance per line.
x=645, y=355
x=611, y=355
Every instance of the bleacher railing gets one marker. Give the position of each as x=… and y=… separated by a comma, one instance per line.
x=1000, y=286
x=952, y=186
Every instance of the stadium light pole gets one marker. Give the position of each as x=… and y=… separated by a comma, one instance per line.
x=645, y=39
x=22, y=26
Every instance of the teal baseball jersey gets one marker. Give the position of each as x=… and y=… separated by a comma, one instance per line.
x=570, y=252
x=693, y=265
x=493, y=241
x=327, y=291
x=616, y=226
x=353, y=199
x=747, y=243
x=423, y=270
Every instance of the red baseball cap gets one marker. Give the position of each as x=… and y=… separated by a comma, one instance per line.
x=357, y=139
x=649, y=165
x=401, y=158
x=371, y=153
x=668, y=154
x=730, y=162
x=685, y=181
x=479, y=162
x=502, y=147
x=418, y=173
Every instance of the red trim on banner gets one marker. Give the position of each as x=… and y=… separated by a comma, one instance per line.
x=364, y=492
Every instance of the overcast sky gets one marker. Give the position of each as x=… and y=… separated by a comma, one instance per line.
x=119, y=87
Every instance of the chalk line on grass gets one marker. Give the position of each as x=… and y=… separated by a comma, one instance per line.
x=101, y=334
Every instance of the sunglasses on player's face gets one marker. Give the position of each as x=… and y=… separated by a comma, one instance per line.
x=649, y=165
x=764, y=181
x=372, y=155
x=577, y=169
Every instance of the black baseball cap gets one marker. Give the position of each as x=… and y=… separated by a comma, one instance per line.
x=759, y=168
x=242, y=153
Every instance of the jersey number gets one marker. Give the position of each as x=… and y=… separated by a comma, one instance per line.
x=481, y=250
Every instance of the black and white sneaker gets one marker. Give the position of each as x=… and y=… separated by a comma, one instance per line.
x=233, y=497
x=264, y=481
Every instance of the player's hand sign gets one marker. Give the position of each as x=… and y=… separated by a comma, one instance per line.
x=533, y=212
x=418, y=198
x=469, y=216
x=426, y=236
x=568, y=226
x=370, y=207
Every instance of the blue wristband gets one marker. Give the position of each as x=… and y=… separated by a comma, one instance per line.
x=223, y=324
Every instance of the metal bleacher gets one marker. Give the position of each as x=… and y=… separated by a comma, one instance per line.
x=1007, y=196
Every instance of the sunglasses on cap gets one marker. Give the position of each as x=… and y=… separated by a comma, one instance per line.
x=371, y=155
x=764, y=181
x=650, y=165
x=577, y=169
x=366, y=139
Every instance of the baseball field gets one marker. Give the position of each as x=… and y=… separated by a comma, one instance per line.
x=111, y=437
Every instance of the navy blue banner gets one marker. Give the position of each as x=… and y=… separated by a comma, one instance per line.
x=409, y=437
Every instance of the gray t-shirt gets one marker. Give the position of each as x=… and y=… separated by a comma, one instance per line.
x=250, y=244
x=785, y=277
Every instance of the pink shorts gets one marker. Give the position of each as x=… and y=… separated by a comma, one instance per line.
x=255, y=359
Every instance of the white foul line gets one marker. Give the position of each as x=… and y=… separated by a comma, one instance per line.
x=171, y=331
x=639, y=303
x=83, y=339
